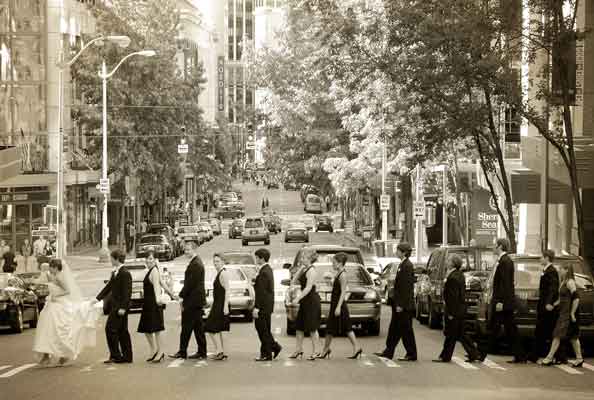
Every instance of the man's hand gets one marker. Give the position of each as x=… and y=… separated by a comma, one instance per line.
x=573, y=317
x=226, y=310
x=255, y=313
x=121, y=312
x=549, y=307
x=450, y=317
x=499, y=307
x=399, y=309
x=181, y=306
x=337, y=312
x=94, y=301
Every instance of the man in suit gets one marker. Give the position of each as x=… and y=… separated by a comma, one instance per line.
x=264, y=288
x=119, y=291
x=455, y=310
x=503, y=302
x=192, y=307
x=547, y=313
x=403, y=308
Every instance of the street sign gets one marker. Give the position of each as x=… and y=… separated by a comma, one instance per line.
x=420, y=209
x=250, y=145
x=104, y=186
x=182, y=148
x=385, y=202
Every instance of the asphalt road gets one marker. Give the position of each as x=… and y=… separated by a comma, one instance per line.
x=241, y=378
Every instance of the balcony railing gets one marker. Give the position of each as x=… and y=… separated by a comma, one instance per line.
x=34, y=156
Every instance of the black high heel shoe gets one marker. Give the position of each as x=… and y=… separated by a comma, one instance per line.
x=297, y=354
x=220, y=357
x=152, y=358
x=578, y=364
x=356, y=355
x=313, y=356
x=158, y=360
x=325, y=354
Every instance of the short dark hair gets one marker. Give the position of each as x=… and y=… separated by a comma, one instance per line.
x=341, y=258
x=456, y=261
x=503, y=243
x=193, y=242
x=118, y=255
x=549, y=254
x=405, y=248
x=264, y=254
x=56, y=263
x=221, y=256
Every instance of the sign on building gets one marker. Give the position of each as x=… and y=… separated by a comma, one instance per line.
x=483, y=217
x=182, y=148
x=221, y=84
x=419, y=209
x=385, y=202
x=579, y=73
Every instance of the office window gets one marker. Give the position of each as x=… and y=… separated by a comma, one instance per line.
x=28, y=15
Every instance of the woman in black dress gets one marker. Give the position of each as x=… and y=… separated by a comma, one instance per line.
x=218, y=318
x=310, y=311
x=151, y=319
x=339, y=320
x=568, y=324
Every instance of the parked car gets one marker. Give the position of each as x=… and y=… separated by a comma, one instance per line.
x=167, y=231
x=215, y=225
x=527, y=277
x=235, y=229
x=18, y=305
x=429, y=297
x=205, y=227
x=190, y=232
x=243, y=260
x=313, y=204
x=41, y=290
x=385, y=280
x=324, y=223
x=254, y=230
x=364, y=302
x=158, y=244
x=241, y=293
x=296, y=232
x=230, y=212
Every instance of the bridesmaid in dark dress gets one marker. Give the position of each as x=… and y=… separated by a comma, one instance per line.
x=568, y=324
x=151, y=318
x=218, y=321
x=310, y=309
x=339, y=320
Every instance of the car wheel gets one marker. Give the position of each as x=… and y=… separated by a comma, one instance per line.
x=434, y=320
x=244, y=242
x=331, y=230
x=290, y=327
x=267, y=242
x=248, y=316
x=286, y=240
x=17, y=323
x=33, y=322
x=374, y=328
x=307, y=240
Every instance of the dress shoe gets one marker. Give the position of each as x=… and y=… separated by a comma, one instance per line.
x=480, y=358
x=277, y=351
x=179, y=355
x=269, y=358
x=111, y=361
x=383, y=355
x=407, y=358
x=197, y=356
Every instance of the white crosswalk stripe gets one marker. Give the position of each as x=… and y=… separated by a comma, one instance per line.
x=201, y=364
x=288, y=363
x=389, y=363
x=4, y=367
x=175, y=363
x=464, y=364
x=493, y=365
x=588, y=367
x=366, y=361
x=569, y=370
x=17, y=370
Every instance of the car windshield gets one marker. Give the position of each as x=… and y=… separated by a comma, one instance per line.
x=253, y=223
x=313, y=199
x=157, y=229
x=356, y=275
x=152, y=239
x=234, y=274
x=325, y=256
x=239, y=259
x=187, y=229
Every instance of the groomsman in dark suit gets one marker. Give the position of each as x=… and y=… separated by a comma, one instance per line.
x=547, y=313
x=403, y=308
x=503, y=302
x=193, y=295
x=264, y=288
x=119, y=291
x=454, y=294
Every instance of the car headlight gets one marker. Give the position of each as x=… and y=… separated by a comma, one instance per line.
x=370, y=295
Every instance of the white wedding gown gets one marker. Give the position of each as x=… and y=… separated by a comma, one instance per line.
x=65, y=327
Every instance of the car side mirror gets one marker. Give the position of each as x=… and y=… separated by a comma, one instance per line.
x=287, y=266
x=286, y=282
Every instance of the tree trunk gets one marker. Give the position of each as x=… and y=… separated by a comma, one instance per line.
x=461, y=223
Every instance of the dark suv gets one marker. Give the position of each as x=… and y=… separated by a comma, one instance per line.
x=526, y=279
x=429, y=295
x=324, y=223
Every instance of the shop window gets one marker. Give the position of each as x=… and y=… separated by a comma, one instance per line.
x=29, y=111
x=28, y=15
x=6, y=211
x=23, y=219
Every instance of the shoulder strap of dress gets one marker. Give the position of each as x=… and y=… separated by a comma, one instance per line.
x=340, y=273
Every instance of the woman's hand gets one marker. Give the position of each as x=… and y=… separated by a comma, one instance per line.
x=337, y=312
x=226, y=310
x=573, y=317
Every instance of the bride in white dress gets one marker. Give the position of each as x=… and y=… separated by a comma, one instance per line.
x=66, y=324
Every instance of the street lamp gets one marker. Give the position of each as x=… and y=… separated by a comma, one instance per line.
x=122, y=41
x=104, y=252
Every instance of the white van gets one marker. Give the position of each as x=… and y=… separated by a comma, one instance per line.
x=313, y=204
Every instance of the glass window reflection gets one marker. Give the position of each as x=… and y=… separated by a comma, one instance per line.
x=27, y=15
x=5, y=219
x=29, y=111
x=27, y=59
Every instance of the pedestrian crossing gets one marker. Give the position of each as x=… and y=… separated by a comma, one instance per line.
x=366, y=362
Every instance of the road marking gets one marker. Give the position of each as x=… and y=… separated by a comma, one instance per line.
x=4, y=367
x=176, y=363
x=493, y=365
x=111, y=368
x=389, y=363
x=588, y=367
x=201, y=364
x=88, y=368
x=464, y=364
x=289, y=363
x=17, y=370
x=569, y=370
x=366, y=361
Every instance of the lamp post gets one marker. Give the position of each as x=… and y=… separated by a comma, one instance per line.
x=122, y=41
x=104, y=252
